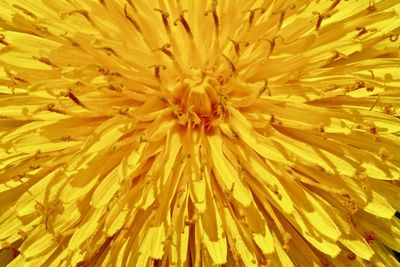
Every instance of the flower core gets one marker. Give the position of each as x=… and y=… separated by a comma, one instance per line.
x=199, y=133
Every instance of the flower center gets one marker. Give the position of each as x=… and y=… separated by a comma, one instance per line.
x=200, y=99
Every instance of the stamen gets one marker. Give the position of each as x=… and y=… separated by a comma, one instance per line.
x=391, y=110
x=282, y=15
x=370, y=237
x=131, y=5
x=236, y=45
x=393, y=37
x=165, y=50
x=272, y=43
x=45, y=60
x=51, y=107
x=72, y=41
x=18, y=178
x=164, y=16
x=232, y=66
x=264, y=88
x=84, y=13
x=42, y=29
x=106, y=72
x=337, y=55
x=132, y=20
x=22, y=234
x=371, y=7
x=184, y=23
x=362, y=31
x=334, y=4
x=372, y=74
x=157, y=71
x=213, y=10
x=376, y=101
x=252, y=14
x=33, y=167
x=75, y=99
x=384, y=154
x=351, y=256
x=3, y=41
x=320, y=17
x=191, y=221
x=25, y=11
x=14, y=78
x=66, y=138
x=108, y=50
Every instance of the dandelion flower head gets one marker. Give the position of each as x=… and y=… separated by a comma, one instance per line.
x=199, y=133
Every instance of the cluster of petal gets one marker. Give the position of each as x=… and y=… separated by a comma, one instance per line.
x=199, y=133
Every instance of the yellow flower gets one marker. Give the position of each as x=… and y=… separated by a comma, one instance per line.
x=199, y=132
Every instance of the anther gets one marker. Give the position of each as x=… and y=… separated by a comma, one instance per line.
x=370, y=237
x=252, y=14
x=334, y=4
x=165, y=50
x=384, y=154
x=272, y=43
x=371, y=7
x=25, y=11
x=3, y=41
x=337, y=55
x=72, y=41
x=376, y=101
x=213, y=11
x=82, y=12
x=393, y=37
x=14, y=77
x=109, y=51
x=131, y=5
x=236, y=45
x=370, y=88
x=232, y=66
x=51, y=107
x=372, y=74
x=391, y=110
x=351, y=256
x=320, y=18
x=184, y=23
x=361, y=31
x=282, y=15
x=264, y=88
x=132, y=20
x=42, y=29
x=33, y=167
x=75, y=99
x=157, y=71
x=358, y=85
x=164, y=16
x=45, y=60
x=18, y=177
